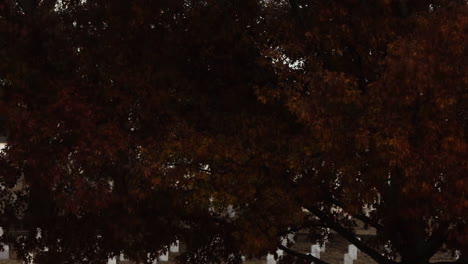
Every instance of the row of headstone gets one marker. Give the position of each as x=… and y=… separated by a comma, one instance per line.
x=314, y=250
x=174, y=248
x=270, y=259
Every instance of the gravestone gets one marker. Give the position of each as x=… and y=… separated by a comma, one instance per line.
x=322, y=248
x=112, y=261
x=164, y=256
x=352, y=251
x=5, y=254
x=270, y=259
x=2, y=143
x=348, y=259
x=174, y=247
x=230, y=211
x=315, y=250
x=122, y=257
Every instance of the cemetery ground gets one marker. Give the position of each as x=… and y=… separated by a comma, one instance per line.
x=335, y=249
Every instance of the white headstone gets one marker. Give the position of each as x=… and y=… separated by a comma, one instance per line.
x=352, y=251
x=39, y=233
x=284, y=242
x=174, y=247
x=2, y=143
x=5, y=254
x=279, y=252
x=122, y=257
x=347, y=259
x=111, y=184
x=270, y=259
x=230, y=211
x=315, y=250
x=289, y=238
x=322, y=247
x=112, y=261
x=164, y=256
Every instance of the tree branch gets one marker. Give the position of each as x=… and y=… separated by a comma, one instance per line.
x=306, y=224
x=301, y=255
x=361, y=217
x=368, y=221
x=351, y=237
x=435, y=241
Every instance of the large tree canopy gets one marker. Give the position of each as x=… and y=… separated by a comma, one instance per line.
x=132, y=124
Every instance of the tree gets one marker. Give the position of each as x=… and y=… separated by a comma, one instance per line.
x=135, y=123
x=386, y=116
